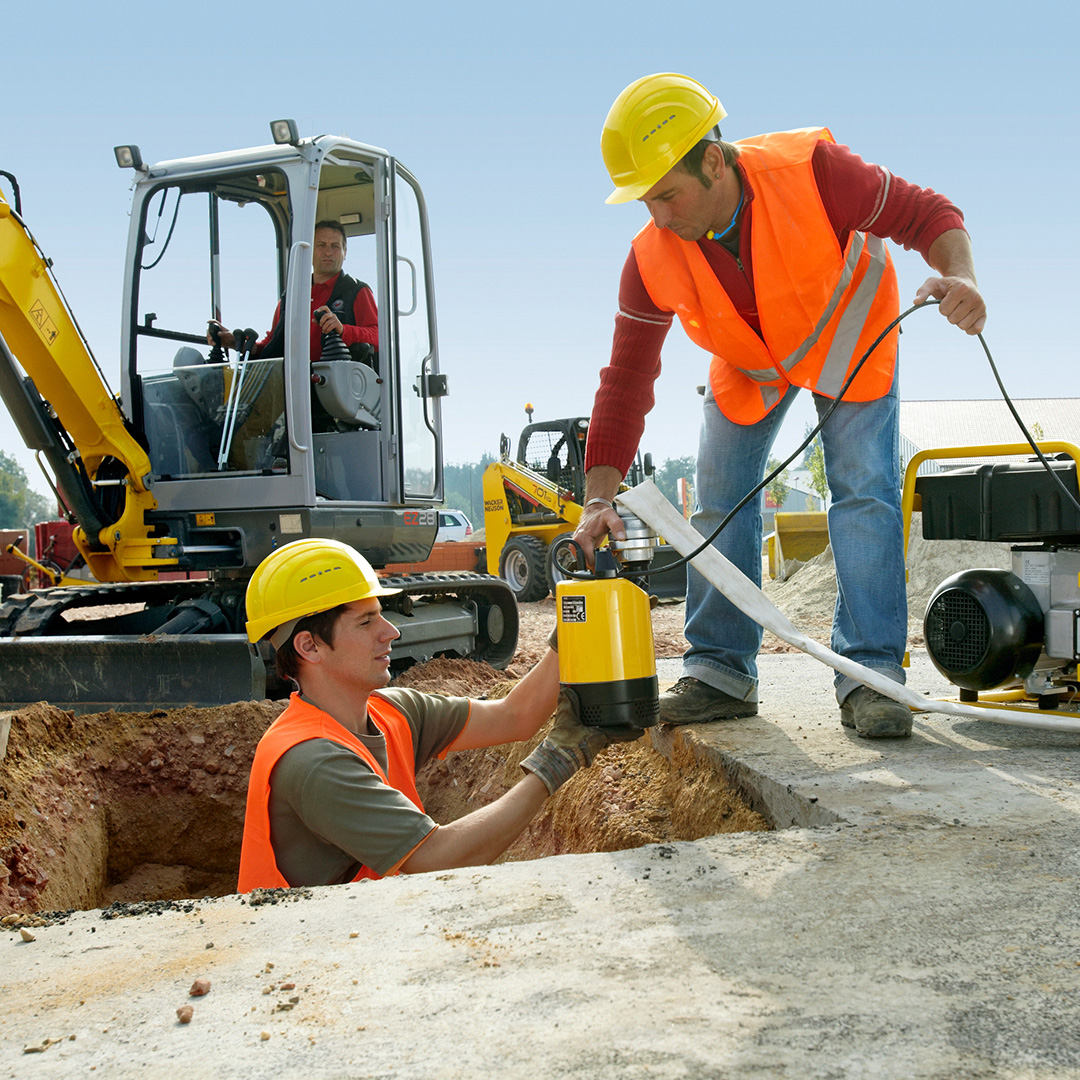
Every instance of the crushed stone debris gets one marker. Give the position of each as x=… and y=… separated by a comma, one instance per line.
x=16, y=920
x=40, y=1048
x=199, y=988
x=121, y=910
x=184, y=1014
x=258, y=897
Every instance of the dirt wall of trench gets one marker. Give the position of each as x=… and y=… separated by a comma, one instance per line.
x=150, y=806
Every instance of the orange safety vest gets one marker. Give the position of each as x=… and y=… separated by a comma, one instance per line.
x=820, y=308
x=300, y=722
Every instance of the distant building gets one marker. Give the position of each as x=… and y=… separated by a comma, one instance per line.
x=929, y=425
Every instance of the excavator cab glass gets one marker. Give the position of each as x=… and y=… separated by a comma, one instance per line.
x=283, y=422
x=209, y=246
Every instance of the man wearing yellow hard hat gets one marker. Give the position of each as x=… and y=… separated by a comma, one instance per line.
x=770, y=251
x=332, y=794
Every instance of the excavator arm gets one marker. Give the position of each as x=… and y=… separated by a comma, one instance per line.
x=65, y=411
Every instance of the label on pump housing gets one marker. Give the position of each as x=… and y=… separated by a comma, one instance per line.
x=573, y=609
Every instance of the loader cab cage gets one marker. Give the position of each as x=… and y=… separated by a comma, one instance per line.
x=230, y=238
x=556, y=449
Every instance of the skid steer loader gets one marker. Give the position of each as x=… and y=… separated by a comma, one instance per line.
x=536, y=499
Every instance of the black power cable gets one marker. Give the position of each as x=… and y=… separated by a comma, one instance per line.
x=643, y=574
x=10, y=177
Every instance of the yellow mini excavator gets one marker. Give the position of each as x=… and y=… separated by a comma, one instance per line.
x=207, y=459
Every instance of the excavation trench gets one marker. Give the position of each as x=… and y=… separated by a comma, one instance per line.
x=128, y=807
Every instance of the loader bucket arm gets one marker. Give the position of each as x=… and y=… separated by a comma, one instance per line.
x=508, y=485
x=65, y=410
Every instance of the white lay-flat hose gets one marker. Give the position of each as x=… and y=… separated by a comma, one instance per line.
x=647, y=503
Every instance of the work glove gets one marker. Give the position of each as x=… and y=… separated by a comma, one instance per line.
x=571, y=745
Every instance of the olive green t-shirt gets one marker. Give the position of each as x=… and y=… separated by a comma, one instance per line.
x=330, y=812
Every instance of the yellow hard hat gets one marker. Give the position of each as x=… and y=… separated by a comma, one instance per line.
x=651, y=126
x=303, y=578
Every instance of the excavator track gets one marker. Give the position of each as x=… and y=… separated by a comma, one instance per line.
x=496, y=612
x=54, y=647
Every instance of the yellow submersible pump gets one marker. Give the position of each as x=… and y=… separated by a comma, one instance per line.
x=606, y=651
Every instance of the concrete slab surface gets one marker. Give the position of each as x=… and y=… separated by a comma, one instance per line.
x=915, y=915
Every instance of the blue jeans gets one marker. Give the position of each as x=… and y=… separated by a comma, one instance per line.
x=862, y=461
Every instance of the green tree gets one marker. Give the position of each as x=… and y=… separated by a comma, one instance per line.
x=779, y=489
x=815, y=465
x=463, y=488
x=19, y=505
x=668, y=475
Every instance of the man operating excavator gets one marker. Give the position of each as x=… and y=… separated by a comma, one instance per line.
x=332, y=794
x=339, y=303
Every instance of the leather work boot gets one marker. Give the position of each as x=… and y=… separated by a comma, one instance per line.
x=874, y=716
x=690, y=701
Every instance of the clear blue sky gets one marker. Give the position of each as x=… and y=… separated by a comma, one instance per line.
x=497, y=109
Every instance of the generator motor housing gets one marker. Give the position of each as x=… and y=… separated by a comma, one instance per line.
x=988, y=628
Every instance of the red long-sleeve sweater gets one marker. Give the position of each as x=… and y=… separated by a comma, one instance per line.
x=364, y=312
x=856, y=195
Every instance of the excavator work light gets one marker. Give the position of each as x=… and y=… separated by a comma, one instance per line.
x=284, y=132
x=128, y=157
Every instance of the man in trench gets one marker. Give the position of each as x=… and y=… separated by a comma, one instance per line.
x=332, y=794
x=770, y=252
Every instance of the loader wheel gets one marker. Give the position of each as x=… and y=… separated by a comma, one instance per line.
x=522, y=567
x=566, y=559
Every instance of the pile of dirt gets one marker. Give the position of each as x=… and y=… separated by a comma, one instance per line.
x=808, y=597
x=631, y=796
x=124, y=806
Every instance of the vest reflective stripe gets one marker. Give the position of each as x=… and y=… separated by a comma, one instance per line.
x=842, y=352
x=300, y=722
x=819, y=307
x=764, y=375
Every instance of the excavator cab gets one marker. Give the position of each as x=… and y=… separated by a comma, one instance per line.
x=230, y=237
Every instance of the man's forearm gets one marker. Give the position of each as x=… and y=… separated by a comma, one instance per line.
x=951, y=256
x=518, y=716
x=482, y=836
x=532, y=701
x=955, y=288
x=602, y=482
